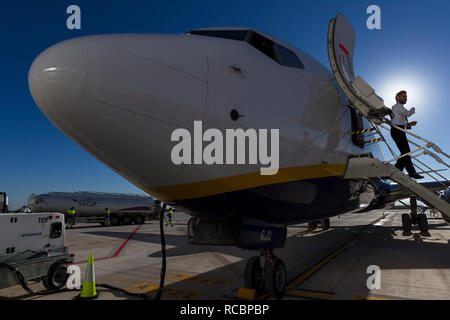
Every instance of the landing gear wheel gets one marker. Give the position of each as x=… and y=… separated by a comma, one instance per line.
x=423, y=223
x=56, y=277
x=406, y=222
x=275, y=278
x=254, y=275
x=325, y=224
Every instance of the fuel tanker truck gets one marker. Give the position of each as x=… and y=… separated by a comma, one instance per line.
x=90, y=206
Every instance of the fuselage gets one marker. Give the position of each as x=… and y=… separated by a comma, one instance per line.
x=121, y=96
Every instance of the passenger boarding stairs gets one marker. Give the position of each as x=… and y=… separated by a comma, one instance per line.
x=362, y=97
x=366, y=166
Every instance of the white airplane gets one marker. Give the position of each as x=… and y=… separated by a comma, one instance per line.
x=121, y=96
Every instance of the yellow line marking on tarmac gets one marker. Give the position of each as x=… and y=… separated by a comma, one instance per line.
x=309, y=294
x=198, y=279
x=316, y=267
x=179, y=293
x=143, y=287
x=169, y=292
x=247, y=294
x=367, y=298
x=182, y=293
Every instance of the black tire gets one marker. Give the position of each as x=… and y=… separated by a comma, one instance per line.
x=126, y=219
x=414, y=219
x=56, y=277
x=423, y=223
x=406, y=222
x=254, y=275
x=138, y=219
x=115, y=221
x=45, y=283
x=326, y=224
x=275, y=278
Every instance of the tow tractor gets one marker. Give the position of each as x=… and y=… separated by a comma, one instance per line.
x=32, y=248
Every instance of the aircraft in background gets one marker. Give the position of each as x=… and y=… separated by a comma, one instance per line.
x=120, y=97
x=90, y=206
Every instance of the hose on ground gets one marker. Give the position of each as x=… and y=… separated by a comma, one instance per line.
x=163, y=251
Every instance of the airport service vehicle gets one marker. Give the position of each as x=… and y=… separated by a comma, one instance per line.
x=3, y=202
x=147, y=86
x=90, y=206
x=33, y=243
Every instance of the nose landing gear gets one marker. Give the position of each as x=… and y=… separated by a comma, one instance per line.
x=266, y=273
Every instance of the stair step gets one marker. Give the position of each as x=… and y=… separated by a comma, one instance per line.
x=365, y=166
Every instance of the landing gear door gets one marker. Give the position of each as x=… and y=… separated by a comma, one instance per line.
x=341, y=45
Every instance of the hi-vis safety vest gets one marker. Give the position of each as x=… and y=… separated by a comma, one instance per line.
x=107, y=211
x=70, y=212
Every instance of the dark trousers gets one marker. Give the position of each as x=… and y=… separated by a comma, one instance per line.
x=402, y=143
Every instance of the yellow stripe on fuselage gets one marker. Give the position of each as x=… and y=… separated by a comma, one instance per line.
x=244, y=181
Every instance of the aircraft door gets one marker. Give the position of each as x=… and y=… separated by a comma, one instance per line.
x=341, y=45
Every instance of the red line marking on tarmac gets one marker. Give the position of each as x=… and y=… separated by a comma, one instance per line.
x=118, y=250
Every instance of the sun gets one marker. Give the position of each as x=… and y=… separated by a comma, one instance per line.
x=416, y=87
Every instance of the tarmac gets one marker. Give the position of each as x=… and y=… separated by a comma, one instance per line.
x=321, y=265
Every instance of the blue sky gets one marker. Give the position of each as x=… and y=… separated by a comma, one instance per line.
x=410, y=51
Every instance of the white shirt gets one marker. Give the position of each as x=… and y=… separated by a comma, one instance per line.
x=401, y=114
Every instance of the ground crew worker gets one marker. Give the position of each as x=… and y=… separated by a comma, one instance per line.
x=400, y=119
x=107, y=218
x=169, y=216
x=70, y=219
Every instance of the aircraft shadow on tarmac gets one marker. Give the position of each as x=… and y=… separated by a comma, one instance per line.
x=180, y=243
x=384, y=246
x=301, y=239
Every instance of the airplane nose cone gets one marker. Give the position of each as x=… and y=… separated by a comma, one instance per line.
x=57, y=78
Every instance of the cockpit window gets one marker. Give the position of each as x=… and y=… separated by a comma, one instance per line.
x=264, y=45
x=273, y=50
x=276, y=52
x=288, y=58
x=226, y=34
